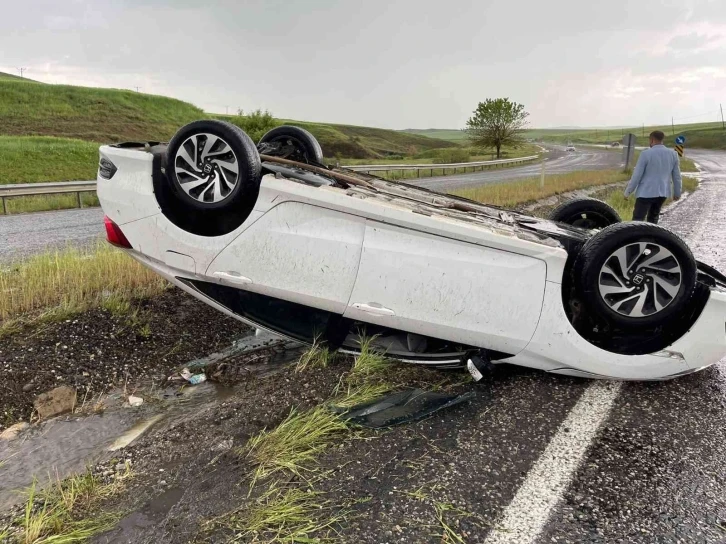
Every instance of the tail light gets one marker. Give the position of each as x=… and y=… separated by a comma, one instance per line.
x=114, y=235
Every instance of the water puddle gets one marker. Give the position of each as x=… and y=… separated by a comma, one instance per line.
x=66, y=445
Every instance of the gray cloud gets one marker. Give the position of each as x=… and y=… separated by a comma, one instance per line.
x=386, y=63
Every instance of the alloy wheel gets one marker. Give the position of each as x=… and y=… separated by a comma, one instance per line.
x=639, y=280
x=207, y=168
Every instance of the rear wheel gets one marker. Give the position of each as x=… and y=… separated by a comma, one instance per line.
x=586, y=213
x=212, y=165
x=293, y=143
x=635, y=274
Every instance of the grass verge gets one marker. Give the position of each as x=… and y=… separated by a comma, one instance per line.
x=59, y=283
x=67, y=511
x=45, y=203
x=625, y=206
x=529, y=190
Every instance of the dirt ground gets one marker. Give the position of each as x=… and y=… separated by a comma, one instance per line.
x=96, y=350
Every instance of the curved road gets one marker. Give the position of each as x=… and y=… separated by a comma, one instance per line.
x=558, y=162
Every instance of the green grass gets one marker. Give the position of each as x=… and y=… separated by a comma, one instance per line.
x=317, y=356
x=288, y=515
x=451, y=135
x=355, y=142
x=12, y=77
x=625, y=206
x=514, y=193
x=698, y=135
x=44, y=203
x=97, y=115
x=29, y=159
x=67, y=511
x=295, y=443
x=63, y=282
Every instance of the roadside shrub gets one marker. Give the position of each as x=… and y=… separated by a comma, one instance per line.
x=256, y=123
x=446, y=156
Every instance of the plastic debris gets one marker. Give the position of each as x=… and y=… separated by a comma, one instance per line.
x=135, y=401
x=193, y=379
x=403, y=407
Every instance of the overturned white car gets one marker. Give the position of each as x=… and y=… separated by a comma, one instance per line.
x=268, y=234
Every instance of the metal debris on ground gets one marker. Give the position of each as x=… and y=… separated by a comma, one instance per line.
x=402, y=407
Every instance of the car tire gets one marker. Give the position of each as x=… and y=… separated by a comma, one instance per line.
x=586, y=213
x=635, y=274
x=226, y=167
x=292, y=143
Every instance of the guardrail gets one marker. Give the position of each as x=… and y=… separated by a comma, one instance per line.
x=29, y=189
x=78, y=187
x=368, y=168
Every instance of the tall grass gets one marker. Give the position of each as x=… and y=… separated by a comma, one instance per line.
x=295, y=442
x=65, y=512
x=44, y=203
x=71, y=280
x=528, y=190
x=625, y=206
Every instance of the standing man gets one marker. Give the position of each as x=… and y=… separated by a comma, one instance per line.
x=651, y=179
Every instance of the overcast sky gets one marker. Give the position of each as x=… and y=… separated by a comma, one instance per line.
x=388, y=63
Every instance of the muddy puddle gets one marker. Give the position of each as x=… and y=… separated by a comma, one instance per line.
x=68, y=444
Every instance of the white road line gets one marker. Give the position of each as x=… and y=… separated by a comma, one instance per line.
x=527, y=514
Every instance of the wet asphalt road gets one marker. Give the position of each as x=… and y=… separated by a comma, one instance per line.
x=24, y=234
x=656, y=469
x=558, y=162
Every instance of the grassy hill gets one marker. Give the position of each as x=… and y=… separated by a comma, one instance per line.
x=356, y=142
x=102, y=115
x=29, y=108
x=12, y=77
x=451, y=135
x=703, y=135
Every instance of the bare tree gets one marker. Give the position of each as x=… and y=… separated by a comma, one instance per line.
x=497, y=122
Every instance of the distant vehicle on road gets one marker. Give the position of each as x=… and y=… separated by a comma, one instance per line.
x=615, y=144
x=570, y=148
x=269, y=235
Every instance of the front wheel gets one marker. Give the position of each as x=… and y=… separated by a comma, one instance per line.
x=635, y=274
x=292, y=143
x=585, y=213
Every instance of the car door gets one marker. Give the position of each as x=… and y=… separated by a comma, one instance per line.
x=445, y=288
x=295, y=252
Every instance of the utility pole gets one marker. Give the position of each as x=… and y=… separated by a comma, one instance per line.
x=723, y=126
x=137, y=89
x=673, y=127
x=22, y=71
x=226, y=110
x=643, y=130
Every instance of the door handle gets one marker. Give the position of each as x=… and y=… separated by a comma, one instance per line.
x=373, y=308
x=233, y=277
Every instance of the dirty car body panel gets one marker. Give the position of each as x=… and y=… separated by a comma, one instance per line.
x=438, y=275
